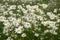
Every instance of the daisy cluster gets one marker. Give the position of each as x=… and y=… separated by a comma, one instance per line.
x=27, y=22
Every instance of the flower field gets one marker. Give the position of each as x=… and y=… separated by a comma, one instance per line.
x=29, y=19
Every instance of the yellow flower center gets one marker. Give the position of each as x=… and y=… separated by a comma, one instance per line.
x=0, y=18
x=18, y=31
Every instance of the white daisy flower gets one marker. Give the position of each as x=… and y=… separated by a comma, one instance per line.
x=2, y=18
x=46, y=31
x=11, y=18
x=51, y=23
x=15, y=23
x=29, y=19
x=51, y=15
x=9, y=38
x=45, y=23
x=55, y=11
x=40, y=18
x=28, y=6
x=7, y=23
x=23, y=35
x=19, y=20
x=18, y=30
x=35, y=7
x=53, y=32
x=41, y=11
x=10, y=12
x=19, y=7
x=24, y=11
x=5, y=29
x=27, y=25
x=58, y=20
x=36, y=34
x=44, y=6
x=12, y=7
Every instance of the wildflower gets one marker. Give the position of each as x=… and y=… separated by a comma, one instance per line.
x=19, y=7
x=2, y=18
x=46, y=31
x=23, y=35
x=24, y=10
x=7, y=23
x=5, y=29
x=55, y=11
x=51, y=23
x=45, y=23
x=27, y=25
x=51, y=15
x=12, y=7
x=40, y=18
x=28, y=6
x=58, y=20
x=53, y=32
x=36, y=34
x=9, y=38
x=44, y=6
x=16, y=22
x=29, y=19
x=19, y=30
x=11, y=18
